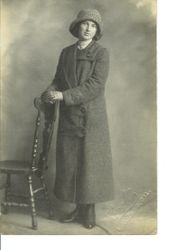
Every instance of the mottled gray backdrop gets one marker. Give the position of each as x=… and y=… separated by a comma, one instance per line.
x=35, y=31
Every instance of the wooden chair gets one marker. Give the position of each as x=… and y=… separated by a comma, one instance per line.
x=35, y=168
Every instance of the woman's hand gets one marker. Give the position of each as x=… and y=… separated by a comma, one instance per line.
x=52, y=96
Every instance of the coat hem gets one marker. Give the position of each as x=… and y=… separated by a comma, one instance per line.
x=82, y=201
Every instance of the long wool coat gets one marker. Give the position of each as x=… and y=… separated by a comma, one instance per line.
x=84, y=164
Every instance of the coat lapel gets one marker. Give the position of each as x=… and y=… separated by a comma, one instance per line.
x=70, y=61
x=69, y=66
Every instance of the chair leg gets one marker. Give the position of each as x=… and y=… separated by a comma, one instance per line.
x=50, y=211
x=32, y=202
x=7, y=191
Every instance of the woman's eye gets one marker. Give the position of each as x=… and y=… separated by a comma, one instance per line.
x=92, y=25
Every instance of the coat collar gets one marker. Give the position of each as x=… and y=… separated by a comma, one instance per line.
x=80, y=44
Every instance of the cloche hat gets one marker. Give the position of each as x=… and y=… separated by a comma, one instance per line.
x=87, y=14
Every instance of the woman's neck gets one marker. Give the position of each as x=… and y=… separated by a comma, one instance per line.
x=83, y=44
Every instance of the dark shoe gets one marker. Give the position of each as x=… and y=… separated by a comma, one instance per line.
x=73, y=216
x=89, y=216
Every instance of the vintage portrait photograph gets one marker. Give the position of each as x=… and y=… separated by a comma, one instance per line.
x=78, y=117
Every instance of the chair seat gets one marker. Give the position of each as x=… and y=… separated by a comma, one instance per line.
x=13, y=166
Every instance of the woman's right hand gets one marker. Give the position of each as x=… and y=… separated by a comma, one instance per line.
x=47, y=97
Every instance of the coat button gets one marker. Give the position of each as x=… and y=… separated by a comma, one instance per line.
x=88, y=54
x=82, y=109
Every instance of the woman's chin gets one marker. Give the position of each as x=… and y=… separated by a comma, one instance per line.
x=85, y=38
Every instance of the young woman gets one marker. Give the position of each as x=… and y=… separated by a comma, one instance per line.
x=83, y=168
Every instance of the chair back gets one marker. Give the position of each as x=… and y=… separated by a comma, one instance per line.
x=40, y=150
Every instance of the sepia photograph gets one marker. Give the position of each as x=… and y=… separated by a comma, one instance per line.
x=78, y=117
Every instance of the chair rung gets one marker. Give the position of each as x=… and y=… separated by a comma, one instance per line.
x=38, y=190
x=14, y=204
x=18, y=196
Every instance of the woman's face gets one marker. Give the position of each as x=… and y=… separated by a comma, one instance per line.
x=87, y=30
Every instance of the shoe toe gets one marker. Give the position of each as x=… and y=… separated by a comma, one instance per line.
x=70, y=217
x=90, y=226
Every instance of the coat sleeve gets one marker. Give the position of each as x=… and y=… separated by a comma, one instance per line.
x=94, y=85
